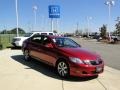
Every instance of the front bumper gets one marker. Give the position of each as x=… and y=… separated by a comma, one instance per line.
x=17, y=44
x=86, y=70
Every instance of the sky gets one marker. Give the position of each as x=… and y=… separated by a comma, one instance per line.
x=72, y=13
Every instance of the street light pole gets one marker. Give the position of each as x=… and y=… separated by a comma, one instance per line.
x=16, y=4
x=110, y=3
x=88, y=25
x=52, y=25
x=35, y=15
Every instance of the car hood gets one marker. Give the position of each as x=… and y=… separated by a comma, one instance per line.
x=81, y=53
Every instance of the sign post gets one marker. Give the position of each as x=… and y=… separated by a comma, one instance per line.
x=54, y=12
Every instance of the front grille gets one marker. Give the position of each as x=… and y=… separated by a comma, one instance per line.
x=14, y=40
x=96, y=62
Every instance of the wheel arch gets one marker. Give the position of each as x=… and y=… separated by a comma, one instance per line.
x=61, y=59
x=68, y=67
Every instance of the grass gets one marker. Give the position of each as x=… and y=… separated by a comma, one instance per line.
x=5, y=40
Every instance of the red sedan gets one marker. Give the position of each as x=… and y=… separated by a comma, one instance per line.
x=64, y=54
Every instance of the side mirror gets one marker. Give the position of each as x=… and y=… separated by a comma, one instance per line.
x=49, y=45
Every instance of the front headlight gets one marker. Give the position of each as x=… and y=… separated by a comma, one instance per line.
x=76, y=60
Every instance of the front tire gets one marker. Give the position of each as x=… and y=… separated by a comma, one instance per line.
x=26, y=55
x=62, y=69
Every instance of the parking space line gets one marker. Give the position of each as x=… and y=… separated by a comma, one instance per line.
x=101, y=84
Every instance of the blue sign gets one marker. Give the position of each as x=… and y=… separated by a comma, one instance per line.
x=54, y=11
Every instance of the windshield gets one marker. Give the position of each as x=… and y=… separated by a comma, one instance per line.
x=28, y=34
x=65, y=42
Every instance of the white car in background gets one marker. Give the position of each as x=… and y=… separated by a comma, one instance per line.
x=116, y=37
x=18, y=41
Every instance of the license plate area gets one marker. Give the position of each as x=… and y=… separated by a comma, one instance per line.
x=98, y=69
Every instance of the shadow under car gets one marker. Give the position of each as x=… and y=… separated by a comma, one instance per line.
x=47, y=70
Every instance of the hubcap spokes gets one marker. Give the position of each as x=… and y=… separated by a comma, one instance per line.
x=62, y=69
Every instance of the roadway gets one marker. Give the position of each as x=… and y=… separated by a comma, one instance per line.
x=110, y=53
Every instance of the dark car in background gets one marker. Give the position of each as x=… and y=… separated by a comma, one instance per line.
x=64, y=54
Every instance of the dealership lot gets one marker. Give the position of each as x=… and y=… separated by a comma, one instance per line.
x=109, y=52
x=16, y=74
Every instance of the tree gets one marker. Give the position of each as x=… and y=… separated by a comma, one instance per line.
x=118, y=27
x=3, y=32
x=13, y=31
x=103, y=31
x=78, y=32
x=20, y=31
x=54, y=31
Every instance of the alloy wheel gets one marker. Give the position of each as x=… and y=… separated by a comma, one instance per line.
x=63, y=69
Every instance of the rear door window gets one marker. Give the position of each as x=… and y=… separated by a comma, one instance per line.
x=50, y=33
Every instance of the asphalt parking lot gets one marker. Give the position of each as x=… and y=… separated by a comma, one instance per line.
x=109, y=52
x=16, y=74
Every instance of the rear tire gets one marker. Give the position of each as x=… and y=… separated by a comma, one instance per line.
x=26, y=55
x=62, y=68
x=115, y=40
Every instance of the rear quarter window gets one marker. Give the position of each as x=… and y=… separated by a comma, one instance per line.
x=50, y=33
x=43, y=33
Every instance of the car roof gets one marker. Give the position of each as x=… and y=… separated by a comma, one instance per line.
x=54, y=36
x=51, y=36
